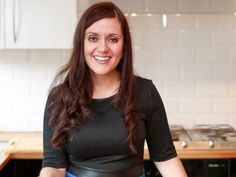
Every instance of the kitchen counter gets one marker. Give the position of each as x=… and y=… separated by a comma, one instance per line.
x=21, y=145
x=29, y=145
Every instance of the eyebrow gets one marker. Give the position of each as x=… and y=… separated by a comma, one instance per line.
x=93, y=33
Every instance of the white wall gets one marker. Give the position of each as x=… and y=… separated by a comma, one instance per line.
x=25, y=76
x=192, y=63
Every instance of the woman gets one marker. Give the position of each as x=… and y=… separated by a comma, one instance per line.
x=99, y=113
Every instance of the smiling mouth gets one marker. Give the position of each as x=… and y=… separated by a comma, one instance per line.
x=102, y=58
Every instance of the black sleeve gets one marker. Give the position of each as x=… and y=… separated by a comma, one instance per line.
x=158, y=138
x=52, y=157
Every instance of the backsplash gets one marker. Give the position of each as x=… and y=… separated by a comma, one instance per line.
x=192, y=62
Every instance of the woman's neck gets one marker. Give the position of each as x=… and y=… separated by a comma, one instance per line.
x=105, y=85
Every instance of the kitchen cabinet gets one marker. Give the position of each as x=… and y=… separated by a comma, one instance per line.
x=21, y=168
x=1, y=24
x=39, y=23
x=130, y=6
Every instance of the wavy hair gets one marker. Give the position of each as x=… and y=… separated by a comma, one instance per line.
x=71, y=90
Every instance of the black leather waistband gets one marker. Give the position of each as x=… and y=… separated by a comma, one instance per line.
x=88, y=172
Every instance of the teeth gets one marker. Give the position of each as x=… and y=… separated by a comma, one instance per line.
x=101, y=58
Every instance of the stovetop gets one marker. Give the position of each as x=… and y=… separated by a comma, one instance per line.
x=202, y=136
x=220, y=132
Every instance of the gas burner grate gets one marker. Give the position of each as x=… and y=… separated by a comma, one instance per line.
x=214, y=132
x=178, y=133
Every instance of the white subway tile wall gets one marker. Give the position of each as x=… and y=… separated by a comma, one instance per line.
x=192, y=62
x=25, y=77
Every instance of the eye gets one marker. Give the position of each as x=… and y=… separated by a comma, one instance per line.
x=113, y=40
x=92, y=39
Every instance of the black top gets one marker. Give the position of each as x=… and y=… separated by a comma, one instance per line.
x=101, y=142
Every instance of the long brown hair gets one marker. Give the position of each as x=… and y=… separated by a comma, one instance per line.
x=71, y=97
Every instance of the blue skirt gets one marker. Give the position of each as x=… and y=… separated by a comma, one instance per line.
x=70, y=175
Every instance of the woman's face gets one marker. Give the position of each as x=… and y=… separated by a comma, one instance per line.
x=103, y=46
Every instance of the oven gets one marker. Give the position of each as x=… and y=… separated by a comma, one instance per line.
x=199, y=168
x=207, y=167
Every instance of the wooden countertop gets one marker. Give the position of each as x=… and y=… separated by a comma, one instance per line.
x=29, y=145
x=21, y=145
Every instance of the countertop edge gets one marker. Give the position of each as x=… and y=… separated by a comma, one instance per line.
x=4, y=159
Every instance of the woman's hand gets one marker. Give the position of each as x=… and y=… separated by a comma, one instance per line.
x=52, y=172
x=170, y=168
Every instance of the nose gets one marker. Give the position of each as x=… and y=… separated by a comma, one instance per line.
x=102, y=46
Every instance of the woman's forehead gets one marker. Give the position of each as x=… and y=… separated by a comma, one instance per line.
x=105, y=26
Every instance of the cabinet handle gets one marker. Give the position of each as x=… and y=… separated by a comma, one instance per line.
x=216, y=165
x=15, y=6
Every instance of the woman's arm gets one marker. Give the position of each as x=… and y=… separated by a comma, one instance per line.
x=52, y=172
x=170, y=168
x=54, y=161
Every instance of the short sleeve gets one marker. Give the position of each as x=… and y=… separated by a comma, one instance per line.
x=52, y=157
x=158, y=134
